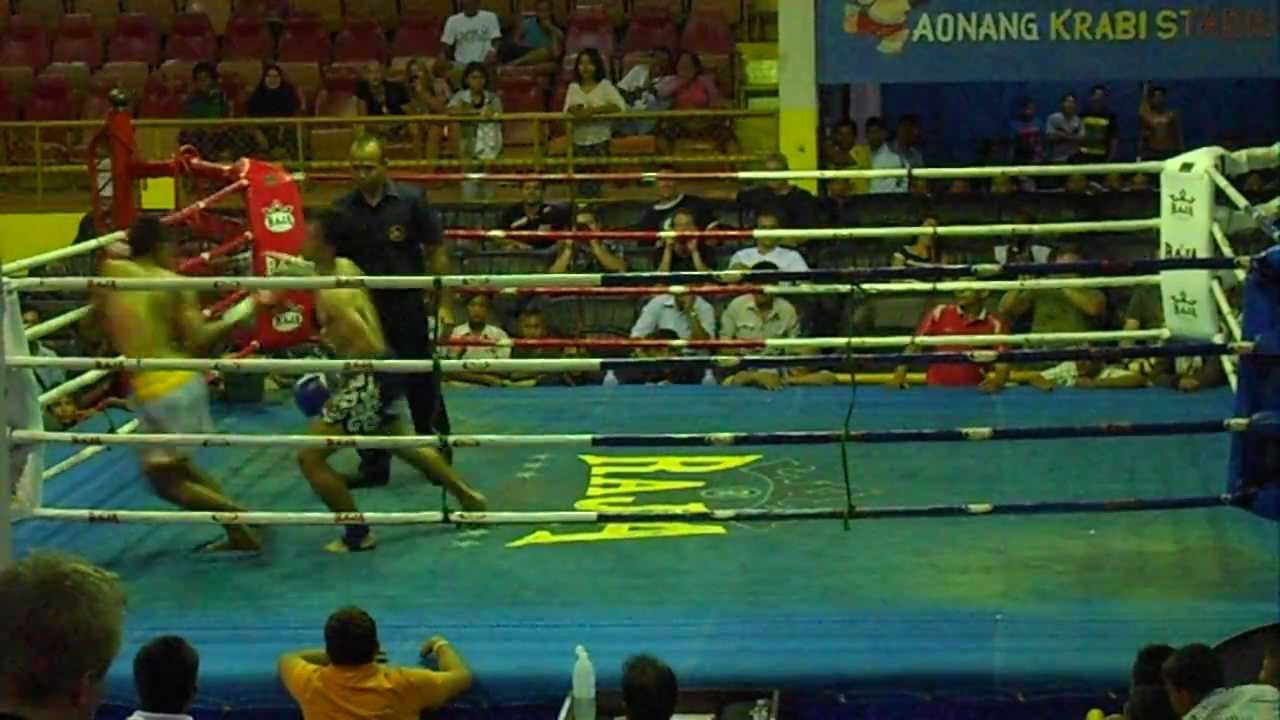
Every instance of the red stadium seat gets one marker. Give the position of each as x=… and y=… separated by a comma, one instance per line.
x=304, y=40
x=161, y=12
x=51, y=99
x=520, y=94
x=131, y=76
x=136, y=39
x=192, y=39
x=418, y=36
x=103, y=12
x=360, y=41
x=26, y=43
x=651, y=28
x=160, y=99
x=247, y=38
x=730, y=10
x=708, y=33
x=78, y=40
x=589, y=28
x=75, y=73
x=9, y=103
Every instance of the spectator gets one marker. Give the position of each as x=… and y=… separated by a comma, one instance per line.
x=654, y=374
x=1065, y=131
x=164, y=674
x=966, y=316
x=477, y=140
x=1148, y=702
x=796, y=206
x=62, y=624
x=381, y=96
x=572, y=256
x=1028, y=135
x=692, y=88
x=532, y=325
x=428, y=86
x=842, y=151
x=1100, y=129
x=670, y=199
x=1141, y=182
x=347, y=680
x=759, y=316
x=275, y=97
x=1161, y=126
x=840, y=206
x=538, y=39
x=477, y=328
x=591, y=95
x=1057, y=310
x=639, y=89
x=471, y=36
x=1269, y=673
x=206, y=102
x=1001, y=185
x=649, y=689
x=921, y=251
x=901, y=154
x=681, y=255
x=533, y=212
x=1085, y=374
x=1193, y=678
x=1077, y=184
x=687, y=315
x=767, y=249
x=1189, y=373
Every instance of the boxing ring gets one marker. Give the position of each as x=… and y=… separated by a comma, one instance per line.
x=1011, y=557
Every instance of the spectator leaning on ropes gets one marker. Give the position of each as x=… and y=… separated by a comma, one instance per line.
x=684, y=254
x=594, y=254
x=1193, y=678
x=164, y=674
x=348, y=680
x=759, y=316
x=61, y=624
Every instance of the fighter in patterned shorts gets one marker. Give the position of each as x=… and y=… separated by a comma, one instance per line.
x=364, y=403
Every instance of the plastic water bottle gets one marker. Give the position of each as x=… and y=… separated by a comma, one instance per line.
x=584, y=687
x=761, y=710
x=610, y=379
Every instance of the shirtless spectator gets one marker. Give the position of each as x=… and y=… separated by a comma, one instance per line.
x=1161, y=136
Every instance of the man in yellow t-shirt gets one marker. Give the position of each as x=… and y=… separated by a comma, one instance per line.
x=347, y=680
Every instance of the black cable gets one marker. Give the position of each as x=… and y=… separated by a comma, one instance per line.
x=854, y=293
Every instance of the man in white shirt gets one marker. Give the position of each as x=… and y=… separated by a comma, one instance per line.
x=1193, y=679
x=759, y=316
x=477, y=327
x=164, y=673
x=767, y=248
x=689, y=316
x=471, y=35
x=901, y=154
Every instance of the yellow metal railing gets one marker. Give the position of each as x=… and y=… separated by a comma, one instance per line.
x=44, y=150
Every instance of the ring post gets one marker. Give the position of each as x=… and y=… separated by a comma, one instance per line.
x=1186, y=231
x=6, y=450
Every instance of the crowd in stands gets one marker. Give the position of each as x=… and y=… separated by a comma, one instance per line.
x=64, y=621
x=197, y=59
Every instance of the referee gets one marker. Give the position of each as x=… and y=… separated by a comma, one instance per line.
x=393, y=231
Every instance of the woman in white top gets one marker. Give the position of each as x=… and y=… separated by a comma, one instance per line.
x=590, y=96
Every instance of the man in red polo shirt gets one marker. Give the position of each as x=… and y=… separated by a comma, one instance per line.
x=966, y=316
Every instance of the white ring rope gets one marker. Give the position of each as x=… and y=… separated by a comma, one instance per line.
x=369, y=518
x=85, y=454
x=70, y=251
x=554, y=365
x=56, y=323
x=79, y=382
x=1224, y=246
x=1228, y=189
x=575, y=280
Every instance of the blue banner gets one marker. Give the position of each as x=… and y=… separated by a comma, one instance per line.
x=919, y=41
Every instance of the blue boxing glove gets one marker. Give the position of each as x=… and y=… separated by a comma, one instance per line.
x=311, y=392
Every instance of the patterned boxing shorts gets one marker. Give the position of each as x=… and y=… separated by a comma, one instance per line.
x=366, y=403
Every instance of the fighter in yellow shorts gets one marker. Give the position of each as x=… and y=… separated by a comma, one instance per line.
x=169, y=324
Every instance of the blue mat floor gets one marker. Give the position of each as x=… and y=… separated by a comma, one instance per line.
x=985, y=603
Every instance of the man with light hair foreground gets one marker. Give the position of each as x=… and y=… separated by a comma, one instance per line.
x=60, y=628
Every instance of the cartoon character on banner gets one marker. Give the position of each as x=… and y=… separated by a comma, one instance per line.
x=885, y=20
